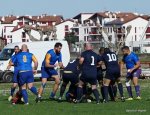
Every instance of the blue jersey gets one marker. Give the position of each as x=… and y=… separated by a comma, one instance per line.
x=89, y=65
x=24, y=61
x=130, y=60
x=15, y=64
x=53, y=57
x=111, y=61
x=73, y=66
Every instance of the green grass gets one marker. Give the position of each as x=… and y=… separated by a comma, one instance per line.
x=48, y=107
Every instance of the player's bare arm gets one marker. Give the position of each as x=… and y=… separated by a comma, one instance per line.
x=81, y=60
x=35, y=64
x=137, y=65
x=121, y=66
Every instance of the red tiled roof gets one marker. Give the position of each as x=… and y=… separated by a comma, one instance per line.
x=26, y=17
x=8, y=19
x=46, y=18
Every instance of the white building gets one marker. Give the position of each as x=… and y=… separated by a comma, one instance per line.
x=64, y=28
x=80, y=28
x=138, y=25
x=9, y=23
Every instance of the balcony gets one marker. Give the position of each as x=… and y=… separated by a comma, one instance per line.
x=93, y=33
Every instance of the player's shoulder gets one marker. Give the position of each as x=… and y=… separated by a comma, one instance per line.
x=50, y=51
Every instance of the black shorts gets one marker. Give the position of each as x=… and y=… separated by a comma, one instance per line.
x=112, y=75
x=70, y=77
x=100, y=75
x=90, y=80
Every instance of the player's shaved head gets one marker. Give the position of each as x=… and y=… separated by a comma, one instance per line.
x=24, y=48
x=88, y=46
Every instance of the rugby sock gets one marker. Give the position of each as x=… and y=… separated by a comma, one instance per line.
x=129, y=89
x=115, y=90
x=12, y=91
x=110, y=90
x=52, y=95
x=120, y=87
x=96, y=94
x=34, y=90
x=62, y=90
x=106, y=93
x=137, y=89
x=25, y=95
x=79, y=93
x=102, y=91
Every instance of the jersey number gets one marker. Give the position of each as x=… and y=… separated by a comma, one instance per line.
x=92, y=60
x=112, y=57
x=24, y=58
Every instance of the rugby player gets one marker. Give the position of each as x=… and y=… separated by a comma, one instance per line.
x=15, y=77
x=70, y=74
x=133, y=71
x=48, y=70
x=88, y=61
x=24, y=63
x=112, y=72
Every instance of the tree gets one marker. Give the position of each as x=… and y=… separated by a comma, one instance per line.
x=119, y=43
x=71, y=38
x=48, y=31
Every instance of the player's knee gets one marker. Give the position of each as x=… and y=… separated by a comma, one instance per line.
x=57, y=81
x=43, y=85
x=94, y=87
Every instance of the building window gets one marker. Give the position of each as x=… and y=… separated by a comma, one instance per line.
x=43, y=22
x=23, y=35
x=10, y=40
x=66, y=28
x=87, y=31
x=23, y=40
x=66, y=33
x=135, y=30
x=84, y=31
x=84, y=38
x=108, y=30
x=135, y=37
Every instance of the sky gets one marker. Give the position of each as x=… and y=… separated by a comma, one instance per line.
x=71, y=8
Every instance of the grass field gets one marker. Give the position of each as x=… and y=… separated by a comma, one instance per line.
x=48, y=107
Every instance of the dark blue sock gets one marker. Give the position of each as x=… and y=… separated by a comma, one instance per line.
x=102, y=91
x=12, y=91
x=34, y=90
x=111, y=93
x=120, y=87
x=25, y=95
x=137, y=89
x=115, y=90
x=52, y=94
x=79, y=93
x=96, y=94
x=129, y=89
x=106, y=93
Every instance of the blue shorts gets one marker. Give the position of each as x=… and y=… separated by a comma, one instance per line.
x=48, y=73
x=135, y=73
x=112, y=75
x=70, y=77
x=92, y=81
x=26, y=77
x=15, y=77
